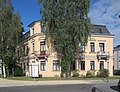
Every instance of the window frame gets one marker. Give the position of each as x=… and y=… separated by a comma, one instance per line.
x=101, y=47
x=33, y=47
x=33, y=31
x=43, y=65
x=92, y=46
x=101, y=65
x=56, y=65
x=92, y=65
x=82, y=65
x=27, y=50
x=82, y=47
x=42, y=46
x=42, y=28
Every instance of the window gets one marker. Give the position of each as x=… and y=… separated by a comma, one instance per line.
x=101, y=65
x=42, y=28
x=33, y=44
x=101, y=47
x=42, y=46
x=33, y=31
x=100, y=31
x=82, y=63
x=27, y=66
x=92, y=65
x=56, y=65
x=26, y=50
x=54, y=44
x=92, y=47
x=43, y=65
x=82, y=47
x=24, y=66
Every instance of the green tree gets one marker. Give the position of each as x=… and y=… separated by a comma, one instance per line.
x=10, y=33
x=68, y=25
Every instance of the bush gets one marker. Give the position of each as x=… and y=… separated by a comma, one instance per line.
x=18, y=71
x=56, y=76
x=116, y=72
x=103, y=73
x=90, y=73
x=75, y=73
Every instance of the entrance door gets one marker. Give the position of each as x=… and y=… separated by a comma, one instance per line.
x=33, y=70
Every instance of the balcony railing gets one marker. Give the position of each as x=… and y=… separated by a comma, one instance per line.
x=103, y=55
x=40, y=54
x=82, y=56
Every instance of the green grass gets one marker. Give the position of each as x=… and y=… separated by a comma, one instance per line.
x=58, y=78
x=115, y=77
x=51, y=78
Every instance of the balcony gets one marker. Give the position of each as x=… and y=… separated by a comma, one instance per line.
x=82, y=56
x=40, y=54
x=103, y=55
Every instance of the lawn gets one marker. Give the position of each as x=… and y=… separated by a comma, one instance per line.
x=58, y=78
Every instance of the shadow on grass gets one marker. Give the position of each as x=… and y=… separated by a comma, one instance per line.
x=115, y=88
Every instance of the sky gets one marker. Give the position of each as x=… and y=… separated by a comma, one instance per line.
x=105, y=12
x=29, y=11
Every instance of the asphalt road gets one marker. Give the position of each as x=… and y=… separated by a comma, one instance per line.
x=49, y=88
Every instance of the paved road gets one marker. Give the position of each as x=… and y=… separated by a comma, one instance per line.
x=49, y=88
x=110, y=86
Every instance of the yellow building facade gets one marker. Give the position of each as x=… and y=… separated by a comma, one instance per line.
x=98, y=53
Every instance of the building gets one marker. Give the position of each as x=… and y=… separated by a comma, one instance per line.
x=117, y=57
x=98, y=53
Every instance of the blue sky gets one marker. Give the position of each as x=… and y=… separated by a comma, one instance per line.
x=29, y=11
x=104, y=12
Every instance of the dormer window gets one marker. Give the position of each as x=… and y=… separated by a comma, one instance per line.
x=100, y=31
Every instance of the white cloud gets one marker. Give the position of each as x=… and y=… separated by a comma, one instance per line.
x=107, y=12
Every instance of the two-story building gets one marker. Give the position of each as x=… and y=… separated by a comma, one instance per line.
x=98, y=54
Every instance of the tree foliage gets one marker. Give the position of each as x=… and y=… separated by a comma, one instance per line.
x=10, y=33
x=68, y=25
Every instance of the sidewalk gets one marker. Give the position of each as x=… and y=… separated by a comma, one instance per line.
x=10, y=83
x=110, y=86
